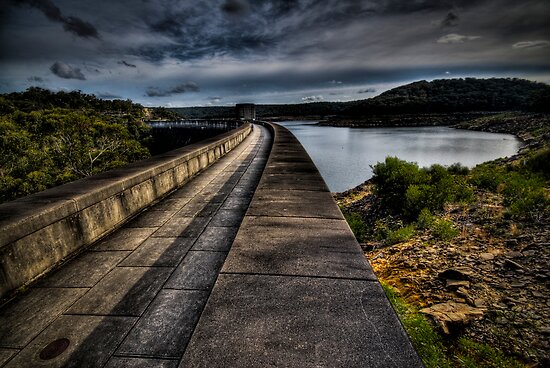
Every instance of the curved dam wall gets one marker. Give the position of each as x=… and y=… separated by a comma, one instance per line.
x=39, y=231
x=295, y=289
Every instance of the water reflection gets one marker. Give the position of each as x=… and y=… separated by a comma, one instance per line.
x=344, y=155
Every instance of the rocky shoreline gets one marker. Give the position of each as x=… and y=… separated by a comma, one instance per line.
x=491, y=282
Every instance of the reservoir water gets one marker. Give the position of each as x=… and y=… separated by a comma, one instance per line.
x=344, y=155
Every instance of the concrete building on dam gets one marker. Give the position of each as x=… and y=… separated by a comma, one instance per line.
x=245, y=111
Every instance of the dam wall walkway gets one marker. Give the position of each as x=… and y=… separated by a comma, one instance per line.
x=249, y=264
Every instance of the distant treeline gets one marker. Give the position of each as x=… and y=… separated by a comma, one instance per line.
x=438, y=96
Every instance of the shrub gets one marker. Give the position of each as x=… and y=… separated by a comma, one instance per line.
x=392, y=179
x=524, y=196
x=458, y=169
x=540, y=162
x=399, y=235
x=443, y=229
x=486, y=176
x=425, y=219
x=357, y=225
x=405, y=189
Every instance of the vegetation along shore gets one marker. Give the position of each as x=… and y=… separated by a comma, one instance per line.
x=463, y=254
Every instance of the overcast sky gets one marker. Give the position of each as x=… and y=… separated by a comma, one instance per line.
x=188, y=53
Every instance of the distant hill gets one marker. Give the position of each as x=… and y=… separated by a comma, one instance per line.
x=438, y=96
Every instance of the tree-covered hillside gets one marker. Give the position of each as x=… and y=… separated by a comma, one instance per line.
x=438, y=96
x=453, y=95
x=48, y=138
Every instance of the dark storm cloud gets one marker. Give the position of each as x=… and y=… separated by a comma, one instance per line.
x=269, y=48
x=450, y=20
x=367, y=90
x=35, y=79
x=125, y=63
x=71, y=24
x=179, y=89
x=236, y=7
x=66, y=71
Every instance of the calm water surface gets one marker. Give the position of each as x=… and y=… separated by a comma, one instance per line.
x=344, y=155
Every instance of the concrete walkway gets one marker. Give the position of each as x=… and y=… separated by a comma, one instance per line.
x=294, y=288
x=133, y=300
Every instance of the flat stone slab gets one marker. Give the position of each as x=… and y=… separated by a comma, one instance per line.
x=198, y=271
x=124, y=291
x=125, y=239
x=297, y=246
x=229, y=218
x=151, y=219
x=6, y=354
x=167, y=252
x=293, y=182
x=216, y=238
x=170, y=204
x=294, y=203
x=84, y=271
x=92, y=340
x=271, y=321
x=23, y=319
x=165, y=329
x=185, y=227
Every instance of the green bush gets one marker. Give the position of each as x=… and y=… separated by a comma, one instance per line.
x=443, y=229
x=458, y=169
x=523, y=188
x=406, y=190
x=392, y=179
x=487, y=176
x=357, y=225
x=425, y=219
x=540, y=162
x=524, y=196
x=399, y=235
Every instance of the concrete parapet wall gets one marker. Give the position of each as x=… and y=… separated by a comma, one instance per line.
x=40, y=230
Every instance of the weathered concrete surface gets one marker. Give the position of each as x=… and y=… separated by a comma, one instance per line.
x=133, y=299
x=39, y=231
x=295, y=289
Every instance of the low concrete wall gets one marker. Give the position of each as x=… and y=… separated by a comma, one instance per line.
x=40, y=230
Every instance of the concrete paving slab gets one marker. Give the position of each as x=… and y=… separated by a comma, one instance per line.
x=231, y=218
x=236, y=203
x=174, y=227
x=165, y=329
x=198, y=271
x=124, y=239
x=216, y=238
x=294, y=203
x=185, y=227
x=6, y=354
x=24, y=318
x=293, y=182
x=289, y=168
x=243, y=191
x=159, y=252
x=124, y=291
x=151, y=219
x=92, y=340
x=84, y=271
x=297, y=246
x=192, y=208
x=127, y=362
x=269, y=321
x=170, y=204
